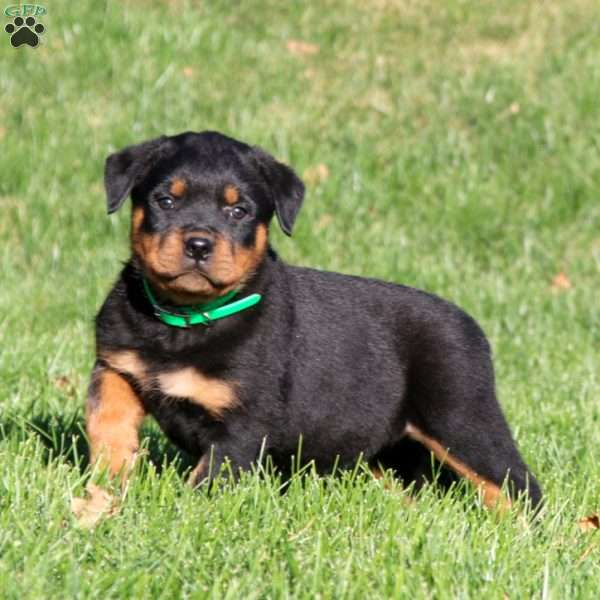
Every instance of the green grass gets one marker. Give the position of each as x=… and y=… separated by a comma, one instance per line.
x=462, y=144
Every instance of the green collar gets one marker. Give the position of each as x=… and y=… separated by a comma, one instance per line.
x=203, y=314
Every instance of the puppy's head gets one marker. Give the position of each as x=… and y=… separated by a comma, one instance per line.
x=202, y=203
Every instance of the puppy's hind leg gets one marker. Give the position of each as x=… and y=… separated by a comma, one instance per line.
x=481, y=450
x=453, y=412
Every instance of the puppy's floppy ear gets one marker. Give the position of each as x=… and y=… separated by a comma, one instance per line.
x=287, y=189
x=124, y=169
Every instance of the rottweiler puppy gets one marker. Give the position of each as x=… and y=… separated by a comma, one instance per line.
x=238, y=355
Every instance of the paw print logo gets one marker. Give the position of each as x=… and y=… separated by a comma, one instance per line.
x=24, y=32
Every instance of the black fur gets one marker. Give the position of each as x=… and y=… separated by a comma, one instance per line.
x=341, y=361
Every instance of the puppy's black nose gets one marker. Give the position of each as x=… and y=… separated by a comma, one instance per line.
x=199, y=248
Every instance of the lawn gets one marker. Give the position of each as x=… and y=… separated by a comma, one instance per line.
x=452, y=146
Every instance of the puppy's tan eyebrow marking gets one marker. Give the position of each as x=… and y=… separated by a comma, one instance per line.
x=178, y=187
x=231, y=194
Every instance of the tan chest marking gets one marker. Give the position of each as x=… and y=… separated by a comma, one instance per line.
x=125, y=361
x=214, y=395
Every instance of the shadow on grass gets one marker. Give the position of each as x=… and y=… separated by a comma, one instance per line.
x=63, y=437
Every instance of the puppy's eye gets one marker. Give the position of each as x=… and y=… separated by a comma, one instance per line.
x=166, y=203
x=238, y=212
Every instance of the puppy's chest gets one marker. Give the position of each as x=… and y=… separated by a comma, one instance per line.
x=163, y=382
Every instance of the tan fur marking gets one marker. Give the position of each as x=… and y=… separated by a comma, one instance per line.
x=234, y=265
x=247, y=260
x=162, y=256
x=199, y=472
x=125, y=361
x=113, y=420
x=214, y=395
x=378, y=475
x=231, y=194
x=376, y=472
x=178, y=187
x=137, y=217
x=491, y=493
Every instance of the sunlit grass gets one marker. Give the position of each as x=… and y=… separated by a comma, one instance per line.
x=461, y=147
